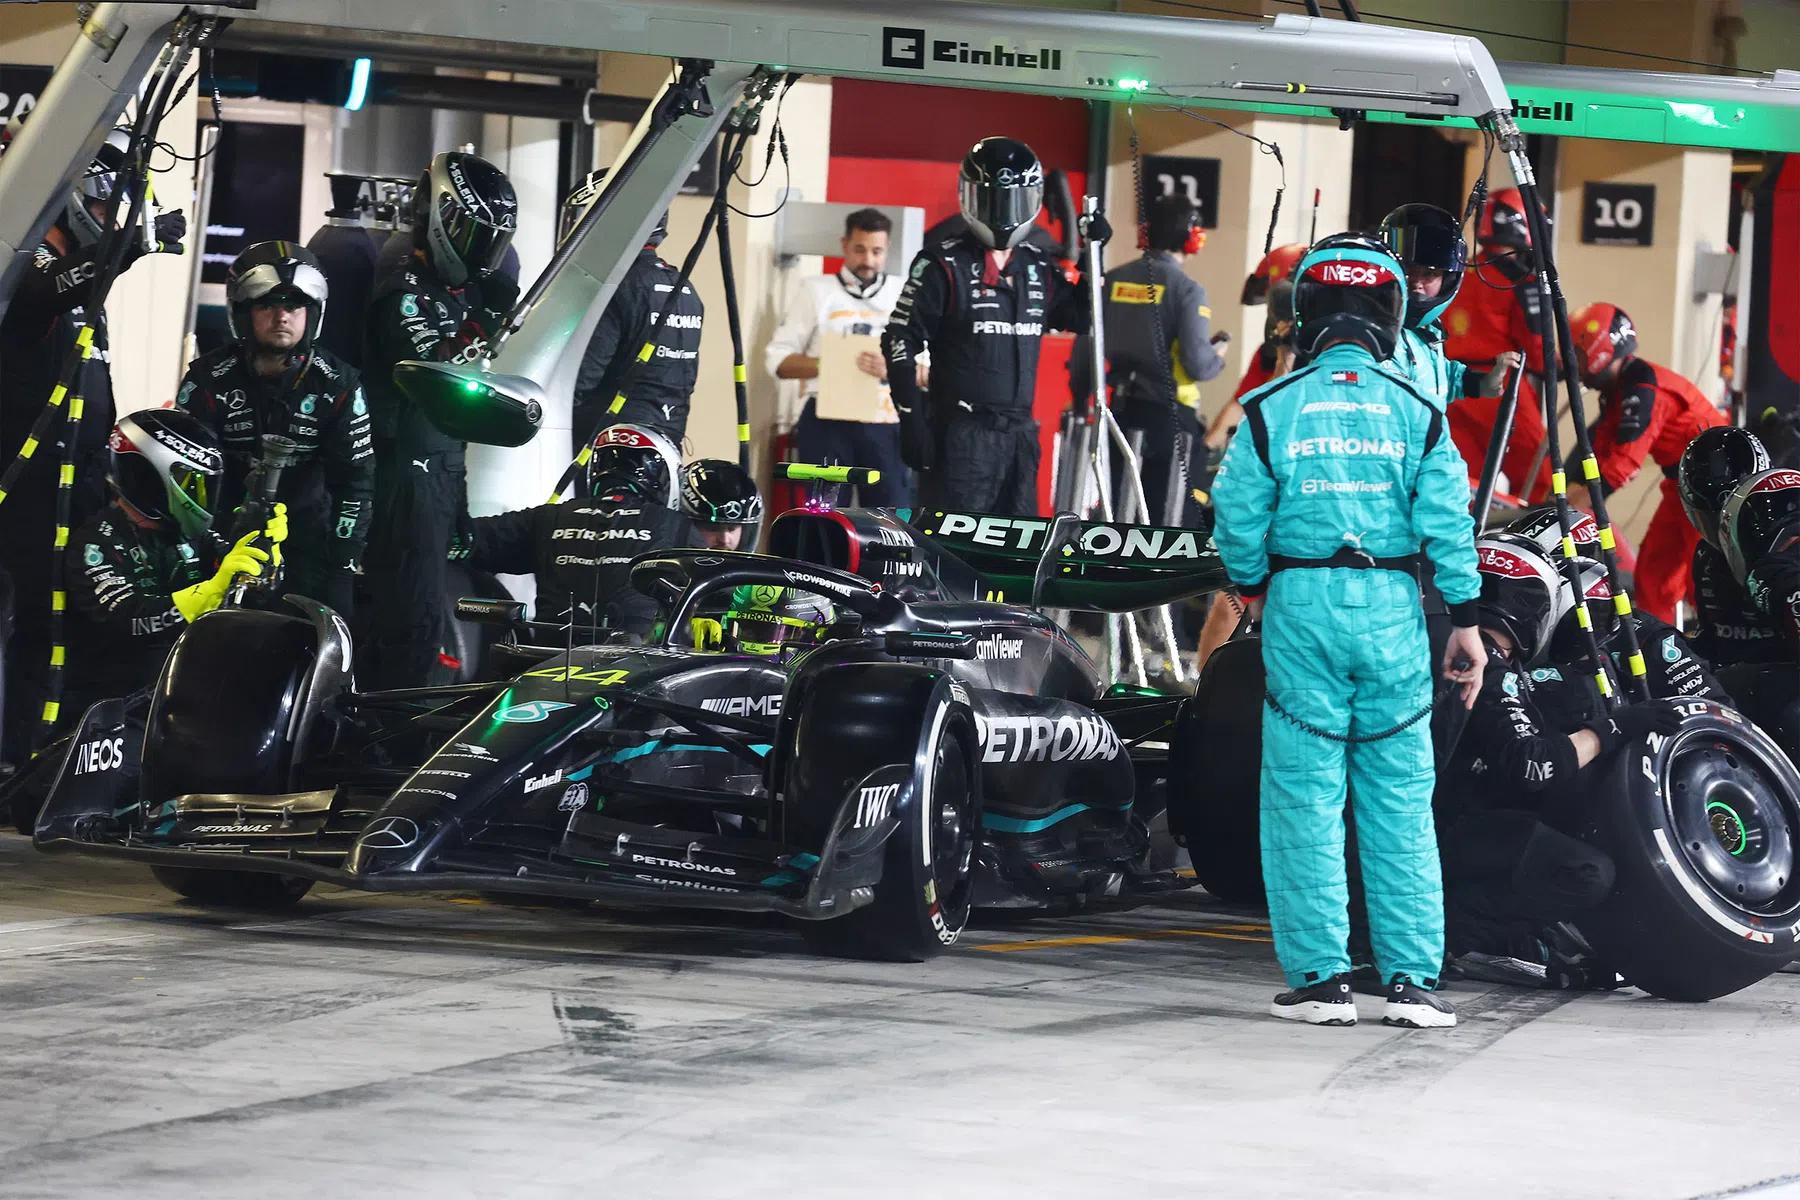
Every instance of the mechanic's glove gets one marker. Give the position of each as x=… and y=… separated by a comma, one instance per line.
x=499, y=293
x=918, y=449
x=171, y=227
x=1095, y=227
x=1635, y=721
x=708, y=634
x=242, y=559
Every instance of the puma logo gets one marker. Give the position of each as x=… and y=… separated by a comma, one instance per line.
x=424, y=464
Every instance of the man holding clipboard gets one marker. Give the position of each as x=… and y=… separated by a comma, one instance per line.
x=831, y=342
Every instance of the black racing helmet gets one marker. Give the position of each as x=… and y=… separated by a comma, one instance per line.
x=1424, y=235
x=716, y=492
x=584, y=195
x=1520, y=590
x=1714, y=463
x=464, y=216
x=634, y=460
x=270, y=271
x=101, y=179
x=1540, y=524
x=167, y=464
x=1567, y=644
x=1762, y=513
x=1002, y=189
x=1349, y=286
x=1172, y=223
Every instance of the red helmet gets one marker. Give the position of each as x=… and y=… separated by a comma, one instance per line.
x=1503, y=221
x=1602, y=333
x=1275, y=266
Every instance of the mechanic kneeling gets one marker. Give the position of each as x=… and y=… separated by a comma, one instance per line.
x=581, y=550
x=274, y=378
x=1514, y=782
x=147, y=564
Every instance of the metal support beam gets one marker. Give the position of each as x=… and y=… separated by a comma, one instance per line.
x=102, y=70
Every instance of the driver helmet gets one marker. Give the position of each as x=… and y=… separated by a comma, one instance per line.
x=1567, y=645
x=102, y=177
x=1349, y=286
x=1520, y=593
x=1425, y=236
x=1276, y=266
x=1602, y=334
x=715, y=492
x=167, y=464
x=584, y=196
x=1173, y=224
x=765, y=619
x=1503, y=222
x=1540, y=524
x=271, y=271
x=1762, y=514
x=634, y=460
x=1001, y=186
x=464, y=213
x=1714, y=463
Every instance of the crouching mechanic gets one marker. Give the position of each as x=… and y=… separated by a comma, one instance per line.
x=722, y=501
x=1513, y=783
x=1732, y=629
x=581, y=550
x=1340, y=475
x=273, y=378
x=148, y=565
x=1760, y=531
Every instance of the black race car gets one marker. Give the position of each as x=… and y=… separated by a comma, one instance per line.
x=869, y=729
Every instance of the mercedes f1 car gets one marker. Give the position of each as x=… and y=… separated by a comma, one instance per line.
x=861, y=730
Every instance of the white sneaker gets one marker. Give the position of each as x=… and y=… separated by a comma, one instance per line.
x=1327, y=1002
x=1412, y=1007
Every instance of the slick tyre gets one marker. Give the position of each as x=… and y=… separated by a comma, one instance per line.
x=233, y=889
x=1216, y=781
x=927, y=878
x=1704, y=829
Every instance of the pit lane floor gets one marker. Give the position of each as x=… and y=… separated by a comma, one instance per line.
x=382, y=1046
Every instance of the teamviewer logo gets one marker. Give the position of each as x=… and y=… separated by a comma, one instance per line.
x=903, y=47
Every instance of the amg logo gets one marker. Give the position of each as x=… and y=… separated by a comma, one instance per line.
x=744, y=706
x=103, y=755
x=994, y=646
x=675, y=864
x=1009, y=328
x=1040, y=739
x=873, y=806
x=1346, y=406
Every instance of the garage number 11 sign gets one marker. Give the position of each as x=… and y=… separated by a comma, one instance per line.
x=1618, y=214
x=1195, y=178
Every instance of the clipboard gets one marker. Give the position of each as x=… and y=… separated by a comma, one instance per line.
x=846, y=391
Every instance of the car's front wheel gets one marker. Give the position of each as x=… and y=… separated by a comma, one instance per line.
x=233, y=889
x=923, y=899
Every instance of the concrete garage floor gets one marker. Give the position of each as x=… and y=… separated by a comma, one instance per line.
x=374, y=1046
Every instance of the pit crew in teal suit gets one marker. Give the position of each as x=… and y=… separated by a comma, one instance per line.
x=1428, y=242
x=1341, y=474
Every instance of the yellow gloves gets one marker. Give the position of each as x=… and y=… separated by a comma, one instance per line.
x=245, y=558
x=708, y=634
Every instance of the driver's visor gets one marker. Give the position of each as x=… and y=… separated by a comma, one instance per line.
x=763, y=628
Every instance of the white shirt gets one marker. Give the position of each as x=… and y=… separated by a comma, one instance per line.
x=822, y=305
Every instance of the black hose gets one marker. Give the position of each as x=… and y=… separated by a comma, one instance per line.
x=739, y=376
x=1496, y=451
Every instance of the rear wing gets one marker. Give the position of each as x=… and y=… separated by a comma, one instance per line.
x=1095, y=566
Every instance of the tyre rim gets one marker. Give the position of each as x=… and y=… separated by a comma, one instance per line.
x=1736, y=829
x=952, y=833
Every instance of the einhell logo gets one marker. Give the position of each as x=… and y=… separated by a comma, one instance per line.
x=1524, y=110
x=903, y=47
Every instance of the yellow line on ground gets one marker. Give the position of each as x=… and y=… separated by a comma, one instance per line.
x=1229, y=933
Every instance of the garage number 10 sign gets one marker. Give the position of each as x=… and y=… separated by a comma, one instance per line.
x=1618, y=214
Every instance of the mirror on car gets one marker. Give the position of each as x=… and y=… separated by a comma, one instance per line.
x=471, y=405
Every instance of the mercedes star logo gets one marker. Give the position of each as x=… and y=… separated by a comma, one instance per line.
x=391, y=833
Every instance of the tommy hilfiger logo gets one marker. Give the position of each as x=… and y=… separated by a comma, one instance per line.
x=1343, y=377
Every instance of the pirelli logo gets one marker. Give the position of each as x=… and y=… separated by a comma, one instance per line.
x=1136, y=293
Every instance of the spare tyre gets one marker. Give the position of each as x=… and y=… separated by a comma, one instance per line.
x=1704, y=828
x=1215, y=774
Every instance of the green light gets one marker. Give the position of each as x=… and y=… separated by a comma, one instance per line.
x=1134, y=85
x=474, y=385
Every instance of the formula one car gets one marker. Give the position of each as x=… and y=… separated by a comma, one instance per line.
x=858, y=730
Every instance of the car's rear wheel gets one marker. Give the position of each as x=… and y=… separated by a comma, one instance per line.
x=233, y=889
x=1704, y=829
x=927, y=880
x=1215, y=775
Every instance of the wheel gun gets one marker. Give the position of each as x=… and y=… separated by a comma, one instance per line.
x=260, y=488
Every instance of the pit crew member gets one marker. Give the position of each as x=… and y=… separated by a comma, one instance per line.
x=723, y=503
x=1732, y=629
